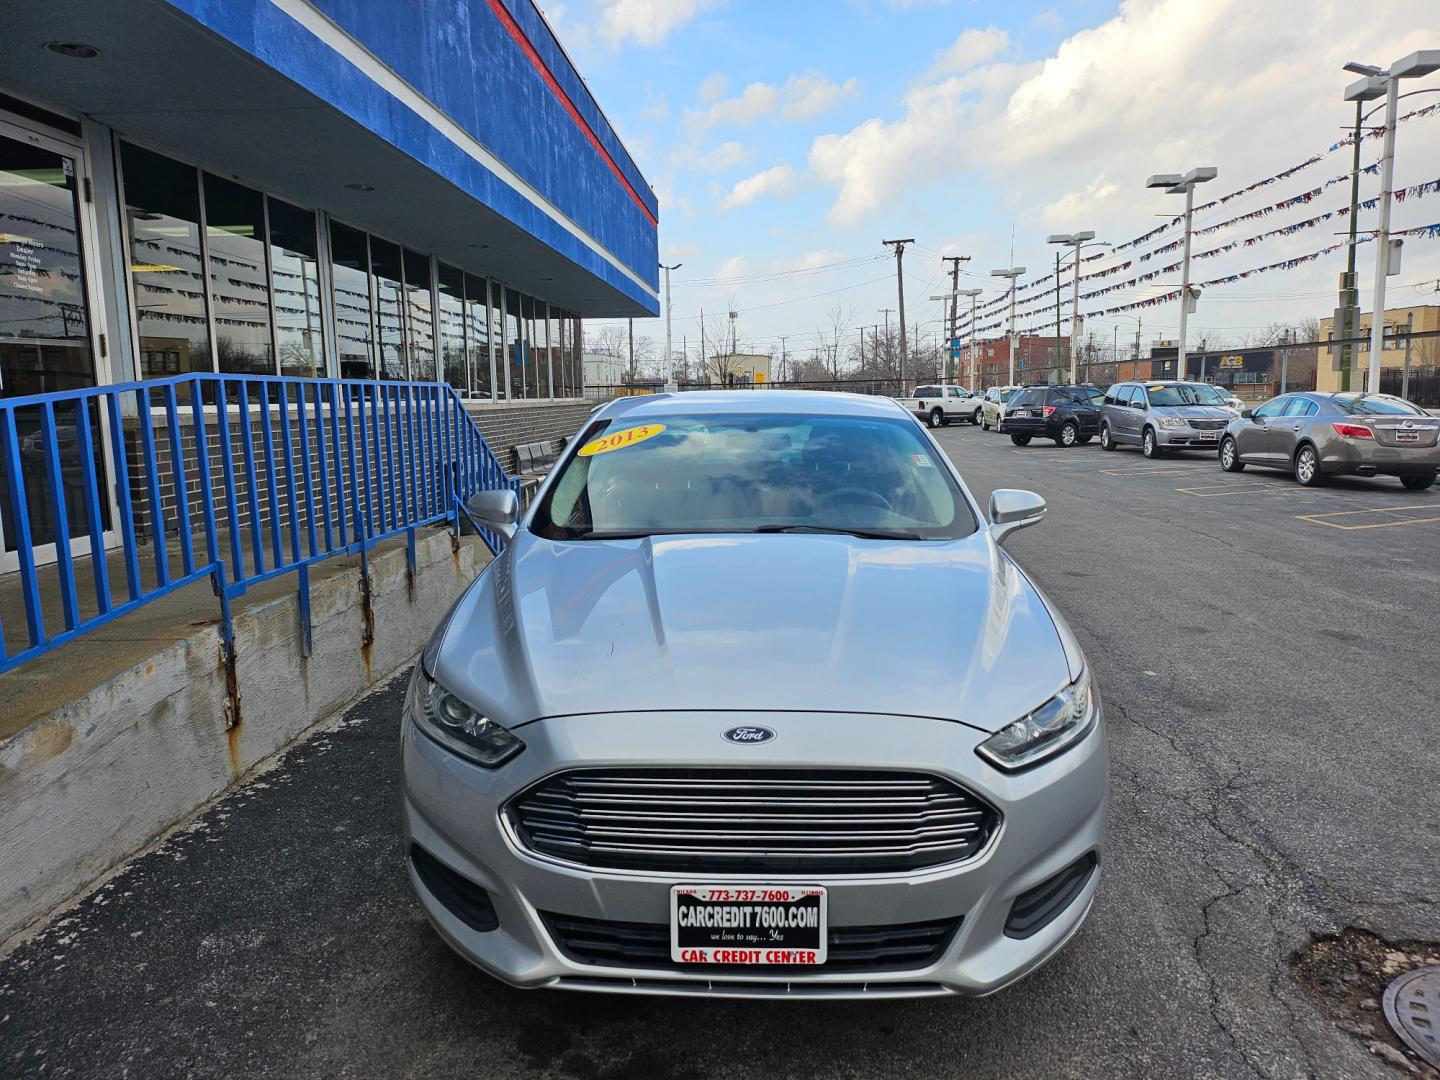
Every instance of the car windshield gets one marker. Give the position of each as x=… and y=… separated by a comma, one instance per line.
x=1181, y=394
x=1011, y=395
x=754, y=472
x=1376, y=405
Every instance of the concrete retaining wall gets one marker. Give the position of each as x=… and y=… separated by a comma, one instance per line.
x=92, y=783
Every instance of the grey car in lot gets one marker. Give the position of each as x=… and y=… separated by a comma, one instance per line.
x=692, y=733
x=1163, y=415
x=1317, y=435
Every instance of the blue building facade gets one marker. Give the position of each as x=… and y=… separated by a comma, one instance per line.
x=423, y=190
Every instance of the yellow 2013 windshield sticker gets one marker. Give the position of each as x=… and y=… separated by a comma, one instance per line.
x=618, y=440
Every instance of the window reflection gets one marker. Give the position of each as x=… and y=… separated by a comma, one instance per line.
x=44, y=324
x=513, y=348
x=44, y=337
x=420, y=325
x=162, y=212
x=452, y=325
x=386, y=269
x=239, y=279
x=294, y=271
x=477, y=329
x=354, y=334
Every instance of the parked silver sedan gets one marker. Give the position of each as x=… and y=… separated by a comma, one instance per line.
x=1318, y=435
x=754, y=704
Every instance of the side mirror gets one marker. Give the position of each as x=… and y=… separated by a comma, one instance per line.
x=1248, y=414
x=499, y=509
x=1012, y=510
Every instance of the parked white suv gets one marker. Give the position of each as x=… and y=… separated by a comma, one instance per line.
x=938, y=404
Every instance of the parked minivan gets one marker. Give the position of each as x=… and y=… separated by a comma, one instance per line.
x=1164, y=415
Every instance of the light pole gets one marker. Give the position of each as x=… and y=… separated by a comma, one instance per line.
x=669, y=345
x=972, y=294
x=1377, y=83
x=1176, y=184
x=1136, y=320
x=1077, y=241
x=1012, y=273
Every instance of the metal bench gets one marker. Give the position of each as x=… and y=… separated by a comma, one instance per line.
x=533, y=461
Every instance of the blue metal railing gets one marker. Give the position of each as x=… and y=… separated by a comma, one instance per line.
x=233, y=477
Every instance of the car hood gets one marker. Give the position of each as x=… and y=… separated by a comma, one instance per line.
x=754, y=623
x=1197, y=412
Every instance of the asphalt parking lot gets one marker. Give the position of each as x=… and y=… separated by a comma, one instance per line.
x=1266, y=657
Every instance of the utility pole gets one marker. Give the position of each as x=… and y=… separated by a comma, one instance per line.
x=954, y=261
x=886, y=311
x=704, y=364
x=782, y=360
x=1055, y=375
x=1345, y=322
x=1284, y=362
x=1012, y=273
x=669, y=345
x=899, y=246
x=631, y=336
x=1376, y=83
x=1176, y=184
x=1405, y=376
x=972, y=293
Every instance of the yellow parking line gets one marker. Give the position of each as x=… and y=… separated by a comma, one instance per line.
x=1153, y=470
x=1212, y=491
x=1319, y=519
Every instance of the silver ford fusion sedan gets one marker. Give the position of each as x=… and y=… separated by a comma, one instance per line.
x=754, y=704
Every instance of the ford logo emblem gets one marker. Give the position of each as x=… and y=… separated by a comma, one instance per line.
x=747, y=735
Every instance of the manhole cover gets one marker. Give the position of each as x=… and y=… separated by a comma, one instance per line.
x=1412, y=1005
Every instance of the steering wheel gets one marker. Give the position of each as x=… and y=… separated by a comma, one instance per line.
x=859, y=495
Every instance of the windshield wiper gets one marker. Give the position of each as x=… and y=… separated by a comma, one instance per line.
x=617, y=534
x=835, y=530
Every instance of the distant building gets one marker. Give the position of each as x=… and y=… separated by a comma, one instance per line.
x=602, y=371
x=1424, y=352
x=1253, y=374
x=1036, y=357
x=739, y=369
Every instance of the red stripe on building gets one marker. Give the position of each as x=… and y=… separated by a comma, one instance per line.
x=513, y=28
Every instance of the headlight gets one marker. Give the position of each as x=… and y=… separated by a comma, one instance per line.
x=1060, y=722
x=1173, y=421
x=455, y=725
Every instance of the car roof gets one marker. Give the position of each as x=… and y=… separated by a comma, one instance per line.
x=809, y=402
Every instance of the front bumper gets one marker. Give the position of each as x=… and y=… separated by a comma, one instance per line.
x=1051, y=816
x=1189, y=437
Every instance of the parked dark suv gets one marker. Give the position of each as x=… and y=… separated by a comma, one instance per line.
x=1067, y=414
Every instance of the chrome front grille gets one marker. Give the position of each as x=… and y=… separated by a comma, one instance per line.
x=751, y=820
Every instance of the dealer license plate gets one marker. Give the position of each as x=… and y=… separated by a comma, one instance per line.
x=1407, y=436
x=758, y=925
x=1209, y=436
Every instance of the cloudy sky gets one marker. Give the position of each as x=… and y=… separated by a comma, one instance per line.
x=787, y=138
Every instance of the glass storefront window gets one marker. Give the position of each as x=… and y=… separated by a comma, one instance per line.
x=235, y=249
x=44, y=321
x=162, y=215
x=350, y=271
x=514, y=348
x=477, y=329
x=420, y=325
x=295, y=274
x=529, y=377
x=452, y=326
x=387, y=270
x=545, y=366
x=44, y=335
